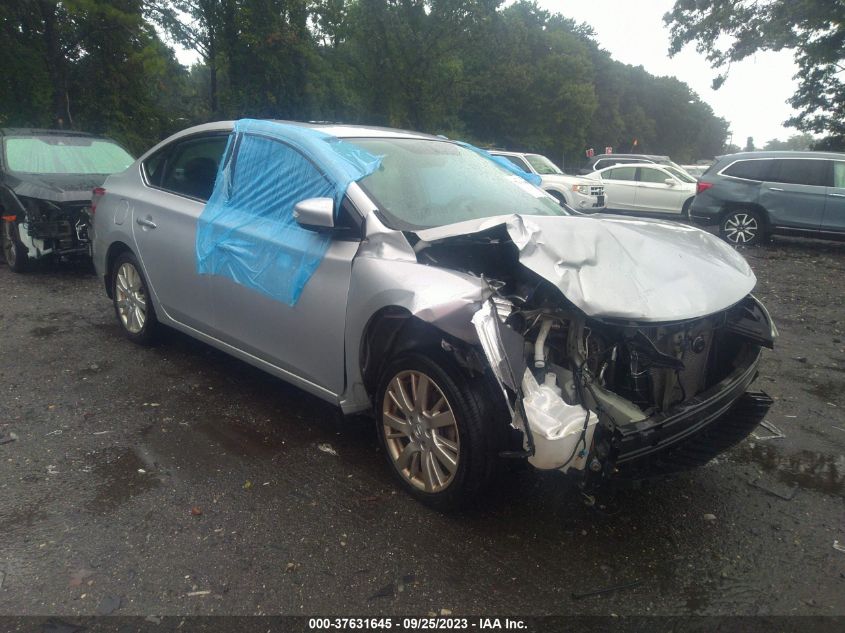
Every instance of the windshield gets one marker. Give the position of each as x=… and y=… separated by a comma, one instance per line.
x=680, y=174
x=542, y=165
x=423, y=183
x=53, y=154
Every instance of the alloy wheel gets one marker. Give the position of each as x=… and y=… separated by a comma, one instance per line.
x=131, y=298
x=420, y=431
x=741, y=228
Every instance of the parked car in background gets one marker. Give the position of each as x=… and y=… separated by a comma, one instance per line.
x=647, y=189
x=417, y=278
x=601, y=161
x=753, y=195
x=580, y=193
x=46, y=183
x=696, y=171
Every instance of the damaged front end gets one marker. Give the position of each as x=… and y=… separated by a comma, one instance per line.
x=609, y=397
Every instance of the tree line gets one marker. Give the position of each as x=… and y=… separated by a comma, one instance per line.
x=515, y=76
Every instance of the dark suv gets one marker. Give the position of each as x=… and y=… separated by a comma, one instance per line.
x=46, y=183
x=754, y=195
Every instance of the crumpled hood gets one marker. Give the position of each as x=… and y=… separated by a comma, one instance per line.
x=625, y=268
x=56, y=187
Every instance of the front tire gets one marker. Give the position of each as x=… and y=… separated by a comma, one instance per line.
x=438, y=430
x=742, y=227
x=132, y=304
x=13, y=250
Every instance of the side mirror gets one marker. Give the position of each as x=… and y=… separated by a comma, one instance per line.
x=315, y=214
x=670, y=182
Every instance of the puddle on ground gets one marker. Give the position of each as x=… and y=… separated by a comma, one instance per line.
x=120, y=479
x=806, y=469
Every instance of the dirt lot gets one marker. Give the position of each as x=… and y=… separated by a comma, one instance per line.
x=176, y=480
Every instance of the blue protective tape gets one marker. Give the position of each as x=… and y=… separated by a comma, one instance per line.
x=247, y=231
x=534, y=179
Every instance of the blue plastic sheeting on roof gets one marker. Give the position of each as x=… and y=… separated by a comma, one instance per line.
x=534, y=179
x=247, y=231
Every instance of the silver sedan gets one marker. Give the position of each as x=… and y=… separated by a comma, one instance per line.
x=418, y=279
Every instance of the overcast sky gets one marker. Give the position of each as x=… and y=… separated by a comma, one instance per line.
x=753, y=99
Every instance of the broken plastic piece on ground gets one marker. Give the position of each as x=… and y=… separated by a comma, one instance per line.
x=562, y=432
x=327, y=448
x=8, y=439
x=838, y=547
x=597, y=592
x=776, y=432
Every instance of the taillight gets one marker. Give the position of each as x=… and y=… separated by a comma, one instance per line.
x=702, y=186
x=96, y=194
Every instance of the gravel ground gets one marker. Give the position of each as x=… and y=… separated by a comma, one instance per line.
x=176, y=480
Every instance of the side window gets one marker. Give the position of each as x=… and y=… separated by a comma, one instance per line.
x=190, y=166
x=795, y=171
x=620, y=173
x=750, y=169
x=652, y=175
x=839, y=174
x=516, y=160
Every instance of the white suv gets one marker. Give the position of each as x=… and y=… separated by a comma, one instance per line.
x=580, y=193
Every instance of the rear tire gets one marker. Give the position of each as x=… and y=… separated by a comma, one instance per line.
x=743, y=227
x=13, y=250
x=133, y=306
x=438, y=428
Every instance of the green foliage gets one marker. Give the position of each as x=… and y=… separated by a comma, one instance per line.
x=796, y=142
x=730, y=30
x=511, y=76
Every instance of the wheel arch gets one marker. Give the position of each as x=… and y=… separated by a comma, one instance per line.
x=115, y=250
x=730, y=207
x=393, y=330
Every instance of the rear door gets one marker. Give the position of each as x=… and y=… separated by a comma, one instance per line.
x=178, y=181
x=834, y=208
x=620, y=187
x=795, y=192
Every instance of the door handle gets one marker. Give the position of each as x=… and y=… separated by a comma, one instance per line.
x=775, y=189
x=146, y=222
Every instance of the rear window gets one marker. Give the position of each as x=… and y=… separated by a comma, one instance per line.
x=749, y=169
x=801, y=171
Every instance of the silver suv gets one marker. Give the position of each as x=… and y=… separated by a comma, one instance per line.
x=753, y=195
x=416, y=278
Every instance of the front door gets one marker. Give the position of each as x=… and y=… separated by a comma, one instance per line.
x=280, y=290
x=834, y=208
x=655, y=196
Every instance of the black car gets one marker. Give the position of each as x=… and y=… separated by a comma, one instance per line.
x=753, y=195
x=46, y=183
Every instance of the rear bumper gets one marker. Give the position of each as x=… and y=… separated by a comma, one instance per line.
x=695, y=432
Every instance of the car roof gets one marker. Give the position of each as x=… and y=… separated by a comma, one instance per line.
x=644, y=156
x=338, y=130
x=783, y=154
